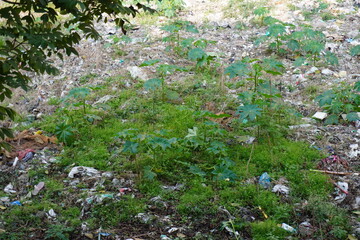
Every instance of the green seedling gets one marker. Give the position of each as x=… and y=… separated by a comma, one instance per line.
x=355, y=51
x=169, y=7
x=174, y=29
x=339, y=101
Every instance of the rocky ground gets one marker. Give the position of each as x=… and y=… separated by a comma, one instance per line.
x=234, y=33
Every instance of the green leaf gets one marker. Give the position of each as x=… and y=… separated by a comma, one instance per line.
x=191, y=28
x=65, y=133
x=222, y=172
x=357, y=86
x=80, y=92
x=161, y=142
x=355, y=51
x=238, y=68
x=249, y=112
x=261, y=11
x=326, y=98
x=293, y=45
x=331, y=58
x=276, y=30
x=148, y=173
x=352, y=116
x=299, y=61
x=314, y=46
x=153, y=84
x=270, y=20
x=332, y=119
x=196, y=54
x=130, y=147
x=194, y=169
x=149, y=62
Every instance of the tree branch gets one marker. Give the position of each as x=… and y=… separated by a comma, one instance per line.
x=7, y=1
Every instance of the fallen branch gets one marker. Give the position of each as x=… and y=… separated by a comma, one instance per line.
x=335, y=173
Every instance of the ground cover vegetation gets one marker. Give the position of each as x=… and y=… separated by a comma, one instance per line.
x=175, y=159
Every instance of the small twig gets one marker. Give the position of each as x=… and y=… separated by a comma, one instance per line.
x=248, y=162
x=343, y=190
x=335, y=173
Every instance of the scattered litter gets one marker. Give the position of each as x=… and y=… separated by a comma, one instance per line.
x=288, y=228
x=342, y=74
x=301, y=126
x=341, y=191
x=228, y=227
x=5, y=199
x=83, y=171
x=104, y=99
x=306, y=229
x=177, y=187
x=124, y=190
x=173, y=229
x=26, y=155
x=15, y=161
x=164, y=237
x=327, y=71
x=354, y=150
x=9, y=188
x=2, y=207
x=144, y=217
x=263, y=213
x=37, y=188
x=320, y=115
x=51, y=214
x=89, y=235
x=312, y=70
x=279, y=188
x=16, y=203
x=264, y=180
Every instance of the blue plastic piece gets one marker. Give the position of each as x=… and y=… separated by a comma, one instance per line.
x=264, y=180
x=16, y=203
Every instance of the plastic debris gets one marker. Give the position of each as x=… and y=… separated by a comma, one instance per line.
x=164, y=237
x=16, y=203
x=173, y=229
x=279, y=188
x=144, y=217
x=124, y=190
x=263, y=213
x=83, y=171
x=37, y=188
x=301, y=126
x=51, y=214
x=320, y=115
x=306, y=229
x=2, y=207
x=264, y=180
x=341, y=191
x=177, y=187
x=26, y=155
x=354, y=150
x=288, y=228
x=16, y=160
x=9, y=188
